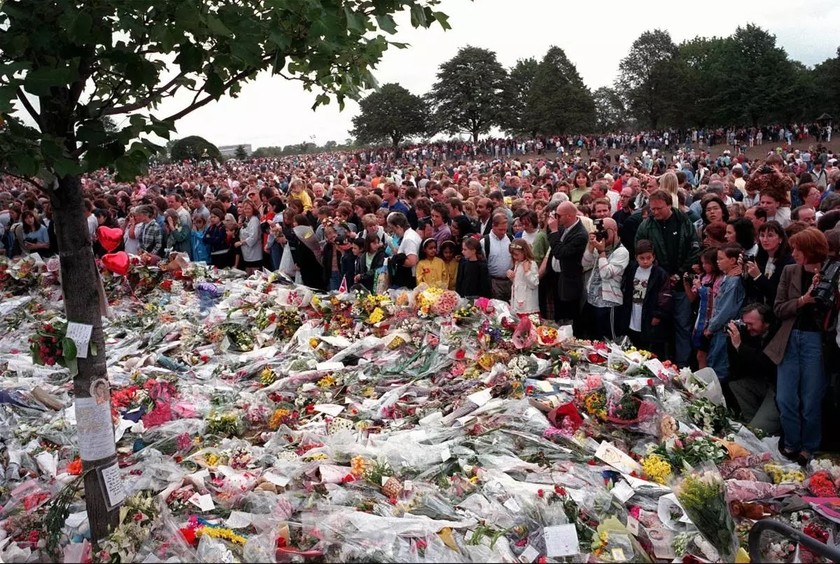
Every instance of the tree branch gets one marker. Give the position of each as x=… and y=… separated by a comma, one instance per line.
x=24, y=178
x=29, y=107
x=143, y=102
x=209, y=98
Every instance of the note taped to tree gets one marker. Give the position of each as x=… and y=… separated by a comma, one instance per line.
x=96, y=432
x=112, y=485
x=80, y=334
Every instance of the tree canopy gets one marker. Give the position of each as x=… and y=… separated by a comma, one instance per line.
x=469, y=95
x=194, y=148
x=558, y=101
x=391, y=113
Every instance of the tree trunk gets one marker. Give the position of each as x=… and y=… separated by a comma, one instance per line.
x=80, y=284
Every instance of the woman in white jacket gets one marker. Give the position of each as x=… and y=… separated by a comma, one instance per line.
x=250, y=238
x=525, y=278
x=608, y=259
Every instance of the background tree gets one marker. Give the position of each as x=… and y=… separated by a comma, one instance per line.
x=646, y=80
x=391, y=113
x=241, y=154
x=516, y=92
x=610, y=113
x=194, y=148
x=766, y=78
x=469, y=95
x=558, y=101
x=826, y=78
x=64, y=64
x=700, y=70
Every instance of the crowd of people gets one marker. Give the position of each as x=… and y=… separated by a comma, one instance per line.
x=720, y=262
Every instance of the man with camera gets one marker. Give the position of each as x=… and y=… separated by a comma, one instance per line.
x=752, y=374
x=607, y=258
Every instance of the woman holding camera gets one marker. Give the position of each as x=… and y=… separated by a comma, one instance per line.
x=797, y=348
x=765, y=271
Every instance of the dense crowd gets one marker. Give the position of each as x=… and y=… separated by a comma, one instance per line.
x=717, y=262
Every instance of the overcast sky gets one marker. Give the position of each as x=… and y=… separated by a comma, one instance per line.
x=271, y=111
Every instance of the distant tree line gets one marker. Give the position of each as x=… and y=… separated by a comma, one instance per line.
x=741, y=80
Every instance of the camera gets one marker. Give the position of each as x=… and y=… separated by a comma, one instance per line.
x=825, y=293
x=739, y=324
x=600, y=232
x=766, y=169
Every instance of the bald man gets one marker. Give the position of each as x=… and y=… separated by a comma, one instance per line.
x=567, y=238
x=607, y=258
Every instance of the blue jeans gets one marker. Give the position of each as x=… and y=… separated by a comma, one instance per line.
x=800, y=389
x=718, y=356
x=682, y=328
x=335, y=281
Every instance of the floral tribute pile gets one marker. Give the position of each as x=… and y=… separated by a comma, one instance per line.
x=257, y=421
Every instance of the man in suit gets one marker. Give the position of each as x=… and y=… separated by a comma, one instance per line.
x=567, y=238
x=484, y=211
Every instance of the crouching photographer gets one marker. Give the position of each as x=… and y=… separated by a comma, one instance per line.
x=752, y=374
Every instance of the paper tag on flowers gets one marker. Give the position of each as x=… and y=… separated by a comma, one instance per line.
x=610, y=454
x=561, y=540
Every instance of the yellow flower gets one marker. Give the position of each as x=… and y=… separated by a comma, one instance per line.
x=359, y=465
x=376, y=316
x=486, y=361
x=211, y=459
x=267, y=376
x=326, y=382
x=221, y=533
x=313, y=342
x=277, y=417
x=656, y=468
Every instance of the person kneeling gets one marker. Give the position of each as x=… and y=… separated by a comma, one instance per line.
x=752, y=374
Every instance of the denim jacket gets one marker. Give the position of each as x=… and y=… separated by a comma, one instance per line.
x=728, y=303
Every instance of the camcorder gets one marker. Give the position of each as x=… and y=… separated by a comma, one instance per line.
x=825, y=293
x=600, y=232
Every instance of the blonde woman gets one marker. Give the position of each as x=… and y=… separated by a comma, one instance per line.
x=670, y=184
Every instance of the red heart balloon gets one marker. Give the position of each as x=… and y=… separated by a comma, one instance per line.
x=116, y=262
x=109, y=237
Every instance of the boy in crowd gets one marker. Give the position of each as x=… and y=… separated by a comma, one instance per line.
x=647, y=299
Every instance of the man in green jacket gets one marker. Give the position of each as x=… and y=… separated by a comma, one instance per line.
x=677, y=249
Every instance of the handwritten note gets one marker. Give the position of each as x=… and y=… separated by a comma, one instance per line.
x=80, y=333
x=561, y=540
x=113, y=485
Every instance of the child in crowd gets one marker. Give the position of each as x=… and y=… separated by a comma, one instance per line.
x=371, y=258
x=199, y=250
x=473, y=277
x=704, y=286
x=449, y=252
x=331, y=258
x=431, y=270
x=727, y=306
x=234, y=256
x=648, y=301
x=525, y=278
x=215, y=239
x=351, y=249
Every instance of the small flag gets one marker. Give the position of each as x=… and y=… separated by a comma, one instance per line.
x=343, y=288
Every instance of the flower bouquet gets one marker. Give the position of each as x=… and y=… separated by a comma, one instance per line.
x=712, y=418
x=703, y=497
x=50, y=346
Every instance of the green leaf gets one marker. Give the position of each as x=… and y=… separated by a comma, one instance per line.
x=386, y=23
x=66, y=167
x=39, y=81
x=215, y=86
x=443, y=20
x=355, y=22
x=418, y=16
x=68, y=349
x=216, y=25
x=80, y=28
